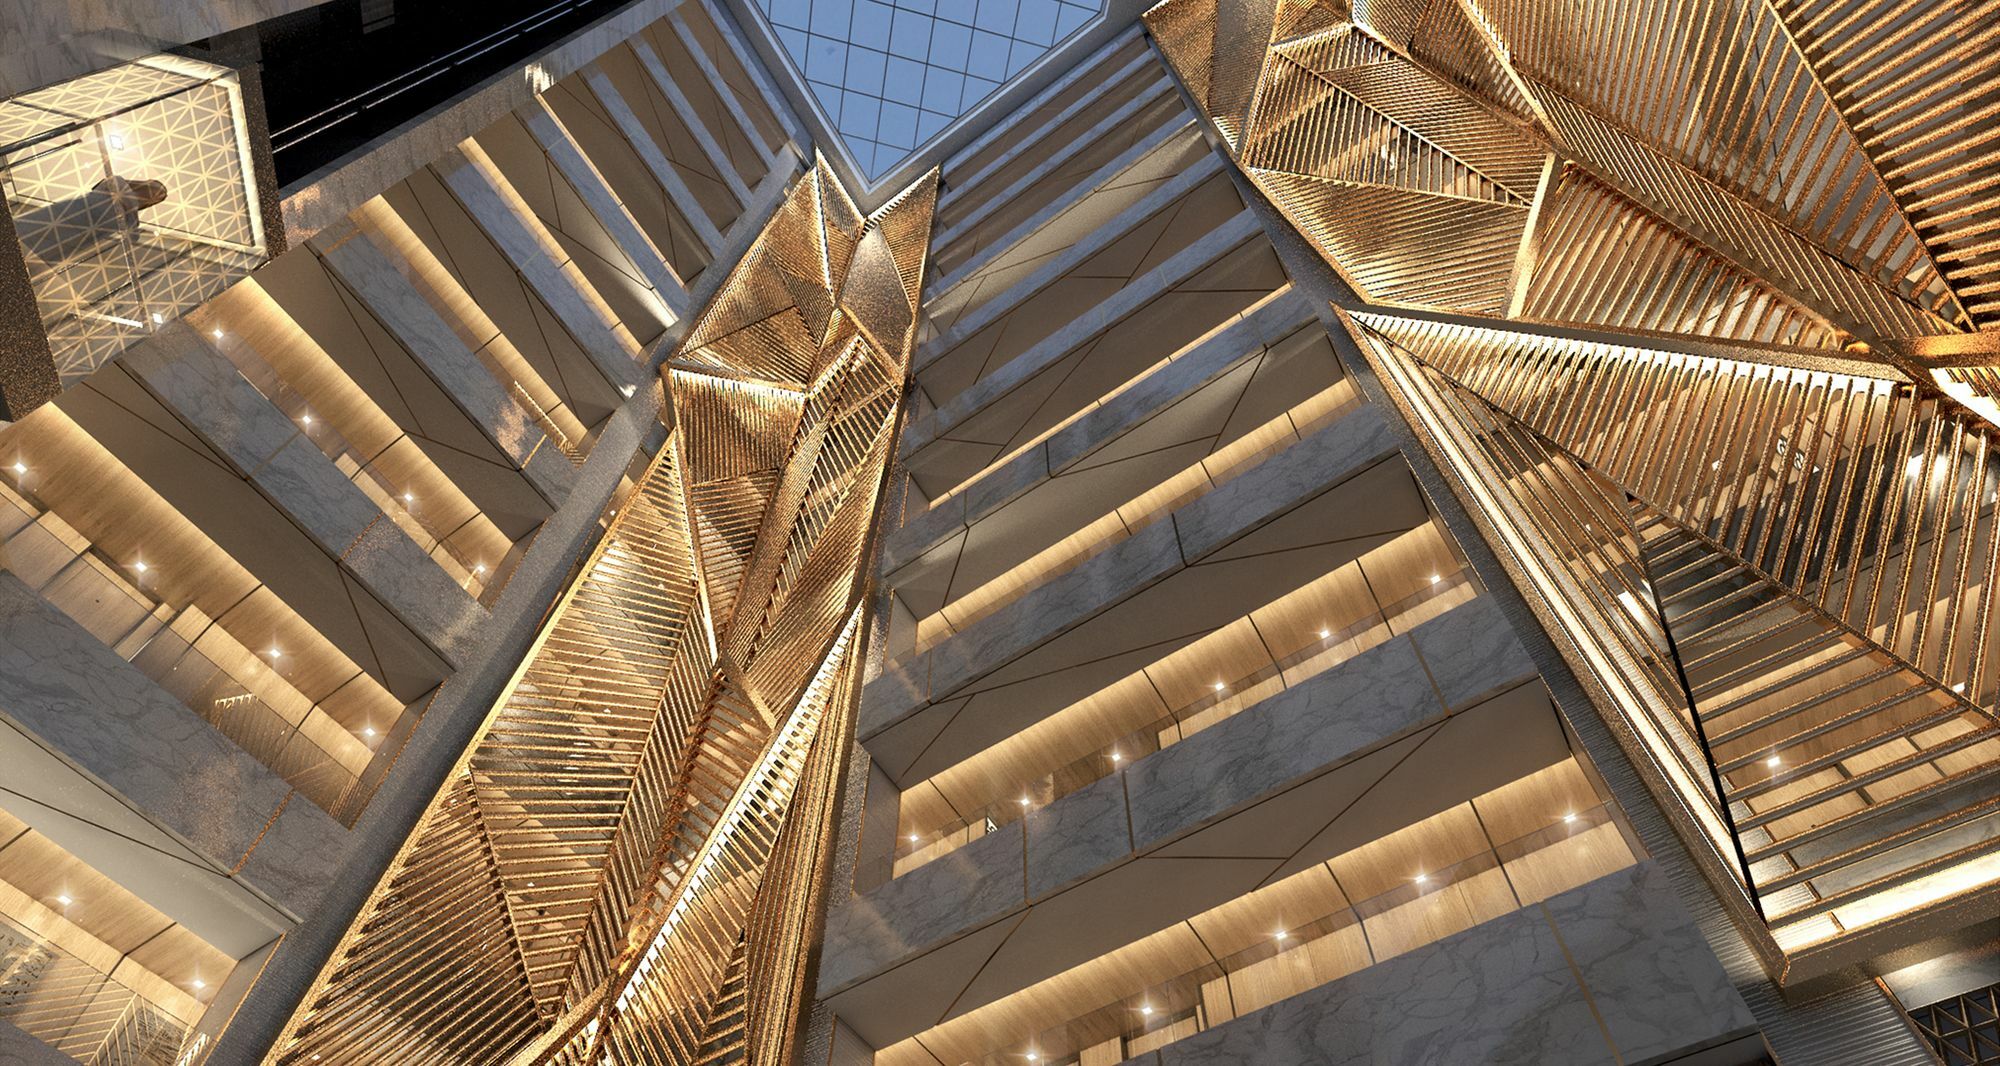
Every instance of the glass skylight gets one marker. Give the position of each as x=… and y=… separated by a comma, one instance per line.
x=891, y=75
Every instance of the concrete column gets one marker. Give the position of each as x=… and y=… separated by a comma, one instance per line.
x=27, y=368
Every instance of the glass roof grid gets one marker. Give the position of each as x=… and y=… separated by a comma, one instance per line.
x=890, y=74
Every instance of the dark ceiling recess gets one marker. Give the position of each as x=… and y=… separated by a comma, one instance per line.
x=341, y=74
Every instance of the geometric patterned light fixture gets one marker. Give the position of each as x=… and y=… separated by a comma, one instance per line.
x=131, y=199
x=1685, y=297
x=1964, y=1030
x=627, y=863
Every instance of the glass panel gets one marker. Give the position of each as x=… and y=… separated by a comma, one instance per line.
x=890, y=76
x=132, y=198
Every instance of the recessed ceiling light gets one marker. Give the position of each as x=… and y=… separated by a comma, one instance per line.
x=368, y=732
x=1147, y=1009
x=409, y=497
x=141, y=566
x=1570, y=817
x=274, y=654
x=1773, y=761
x=199, y=984
x=1435, y=578
x=1325, y=633
x=1218, y=686
x=307, y=419
x=216, y=333
x=64, y=900
x=1024, y=801
x=1281, y=934
x=1423, y=878
x=20, y=468
x=1116, y=756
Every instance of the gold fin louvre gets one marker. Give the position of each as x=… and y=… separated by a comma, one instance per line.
x=633, y=839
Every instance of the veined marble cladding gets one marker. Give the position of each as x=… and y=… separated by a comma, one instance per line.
x=1279, y=483
x=1132, y=298
x=1006, y=247
x=1611, y=972
x=273, y=453
x=1271, y=790
x=1161, y=388
x=60, y=684
x=46, y=41
x=373, y=276
x=608, y=342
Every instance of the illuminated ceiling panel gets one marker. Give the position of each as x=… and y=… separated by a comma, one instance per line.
x=893, y=76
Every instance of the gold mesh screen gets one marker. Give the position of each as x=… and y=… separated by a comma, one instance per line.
x=624, y=864
x=1686, y=295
